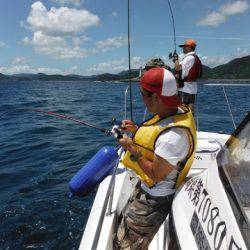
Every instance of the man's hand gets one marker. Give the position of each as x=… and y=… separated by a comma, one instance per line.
x=177, y=65
x=175, y=57
x=127, y=143
x=129, y=126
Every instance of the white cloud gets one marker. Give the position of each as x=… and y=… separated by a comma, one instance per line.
x=20, y=60
x=63, y=52
x=58, y=31
x=233, y=8
x=26, y=41
x=60, y=21
x=54, y=46
x=77, y=41
x=2, y=44
x=110, y=43
x=73, y=70
x=216, y=18
x=17, y=69
x=115, y=66
x=213, y=61
x=242, y=52
x=212, y=19
x=28, y=69
x=42, y=39
x=70, y=2
x=137, y=62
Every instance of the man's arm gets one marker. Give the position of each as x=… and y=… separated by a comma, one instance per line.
x=157, y=169
x=171, y=146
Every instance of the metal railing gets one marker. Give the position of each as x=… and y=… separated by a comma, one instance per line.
x=125, y=102
x=112, y=181
x=108, y=202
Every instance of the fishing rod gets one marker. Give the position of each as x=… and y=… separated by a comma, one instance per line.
x=173, y=23
x=129, y=64
x=115, y=131
x=66, y=117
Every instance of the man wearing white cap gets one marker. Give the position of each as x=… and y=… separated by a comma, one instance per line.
x=160, y=152
x=188, y=71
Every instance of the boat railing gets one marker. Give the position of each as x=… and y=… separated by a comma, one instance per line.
x=125, y=102
x=108, y=202
x=112, y=181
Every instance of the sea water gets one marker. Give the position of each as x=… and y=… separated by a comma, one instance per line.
x=39, y=154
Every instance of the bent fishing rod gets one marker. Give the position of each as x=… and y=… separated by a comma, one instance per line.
x=173, y=23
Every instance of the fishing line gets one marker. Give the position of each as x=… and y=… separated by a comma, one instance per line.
x=229, y=107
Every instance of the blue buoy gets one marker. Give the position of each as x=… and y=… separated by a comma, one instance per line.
x=98, y=167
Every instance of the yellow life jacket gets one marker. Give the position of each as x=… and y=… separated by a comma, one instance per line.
x=148, y=132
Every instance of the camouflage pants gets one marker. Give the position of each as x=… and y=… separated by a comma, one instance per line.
x=141, y=219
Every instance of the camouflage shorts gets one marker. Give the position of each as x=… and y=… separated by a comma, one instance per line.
x=141, y=219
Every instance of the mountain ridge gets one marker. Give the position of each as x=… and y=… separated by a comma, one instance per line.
x=238, y=68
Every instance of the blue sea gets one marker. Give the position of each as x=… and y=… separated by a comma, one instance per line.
x=39, y=154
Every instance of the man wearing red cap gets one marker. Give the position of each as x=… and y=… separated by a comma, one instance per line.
x=160, y=152
x=187, y=73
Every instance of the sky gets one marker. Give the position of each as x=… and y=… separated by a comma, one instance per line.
x=89, y=37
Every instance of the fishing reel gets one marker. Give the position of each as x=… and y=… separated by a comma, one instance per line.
x=170, y=56
x=116, y=129
x=173, y=56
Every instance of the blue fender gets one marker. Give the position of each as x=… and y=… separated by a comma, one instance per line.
x=97, y=168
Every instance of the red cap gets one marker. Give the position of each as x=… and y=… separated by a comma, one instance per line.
x=161, y=81
x=189, y=42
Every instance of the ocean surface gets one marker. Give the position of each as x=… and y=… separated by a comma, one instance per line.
x=39, y=154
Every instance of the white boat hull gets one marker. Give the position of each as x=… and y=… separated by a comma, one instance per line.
x=208, y=146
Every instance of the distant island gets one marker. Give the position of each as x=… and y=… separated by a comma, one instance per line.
x=237, y=69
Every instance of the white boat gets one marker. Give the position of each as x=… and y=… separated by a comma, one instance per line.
x=211, y=210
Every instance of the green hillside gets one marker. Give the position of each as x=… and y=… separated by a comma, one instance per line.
x=238, y=68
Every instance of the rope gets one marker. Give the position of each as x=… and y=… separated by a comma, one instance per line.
x=129, y=64
x=229, y=107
